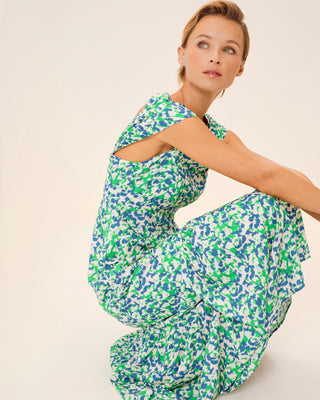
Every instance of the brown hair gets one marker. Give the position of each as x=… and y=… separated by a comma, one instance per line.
x=227, y=9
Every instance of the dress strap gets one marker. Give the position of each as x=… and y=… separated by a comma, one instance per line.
x=159, y=113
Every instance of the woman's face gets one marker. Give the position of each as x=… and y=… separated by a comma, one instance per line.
x=218, y=47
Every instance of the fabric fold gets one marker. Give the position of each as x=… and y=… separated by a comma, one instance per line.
x=245, y=260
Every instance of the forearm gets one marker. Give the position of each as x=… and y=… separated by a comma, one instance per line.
x=313, y=214
x=295, y=188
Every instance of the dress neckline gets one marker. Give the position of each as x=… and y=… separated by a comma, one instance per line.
x=183, y=105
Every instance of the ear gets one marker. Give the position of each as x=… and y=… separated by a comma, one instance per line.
x=181, y=56
x=241, y=68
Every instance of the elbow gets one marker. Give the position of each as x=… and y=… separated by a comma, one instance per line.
x=266, y=180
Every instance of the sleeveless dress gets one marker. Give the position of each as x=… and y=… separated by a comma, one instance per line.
x=206, y=297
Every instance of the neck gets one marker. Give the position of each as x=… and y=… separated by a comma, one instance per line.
x=198, y=102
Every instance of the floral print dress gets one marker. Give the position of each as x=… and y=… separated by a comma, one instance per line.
x=206, y=297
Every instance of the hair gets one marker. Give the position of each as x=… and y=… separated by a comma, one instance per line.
x=226, y=9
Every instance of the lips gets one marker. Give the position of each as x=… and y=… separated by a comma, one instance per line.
x=212, y=71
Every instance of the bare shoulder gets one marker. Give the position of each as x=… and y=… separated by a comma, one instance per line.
x=193, y=138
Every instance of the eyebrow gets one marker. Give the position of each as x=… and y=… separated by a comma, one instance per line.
x=210, y=37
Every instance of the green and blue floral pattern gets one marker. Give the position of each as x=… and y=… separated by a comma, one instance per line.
x=206, y=297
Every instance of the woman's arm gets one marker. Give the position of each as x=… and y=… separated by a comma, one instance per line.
x=193, y=138
x=234, y=141
x=313, y=214
x=295, y=189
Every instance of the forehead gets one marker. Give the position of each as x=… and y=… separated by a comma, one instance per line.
x=218, y=26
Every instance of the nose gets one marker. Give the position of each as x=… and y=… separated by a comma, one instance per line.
x=215, y=58
x=217, y=61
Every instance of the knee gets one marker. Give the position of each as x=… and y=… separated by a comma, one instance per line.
x=268, y=199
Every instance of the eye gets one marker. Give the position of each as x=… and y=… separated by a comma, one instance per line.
x=201, y=42
x=230, y=48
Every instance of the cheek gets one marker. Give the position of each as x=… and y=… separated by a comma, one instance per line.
x=235, y=65
x=195, y=57
x=231, y=67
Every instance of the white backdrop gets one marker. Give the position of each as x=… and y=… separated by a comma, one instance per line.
x=74, y=73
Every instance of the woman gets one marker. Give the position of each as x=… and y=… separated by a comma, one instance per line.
x=205, y=297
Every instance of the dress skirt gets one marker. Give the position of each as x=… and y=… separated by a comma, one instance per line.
x=206, y=300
